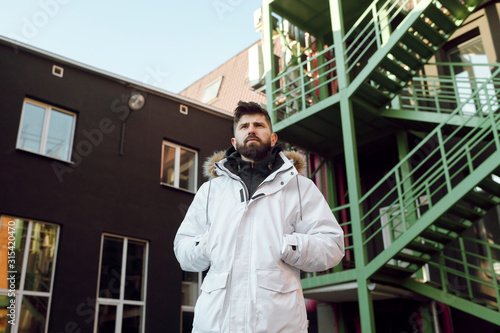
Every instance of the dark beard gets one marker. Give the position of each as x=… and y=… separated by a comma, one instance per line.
x=254, y=151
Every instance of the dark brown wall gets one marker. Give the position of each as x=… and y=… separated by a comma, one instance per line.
x=102, y=191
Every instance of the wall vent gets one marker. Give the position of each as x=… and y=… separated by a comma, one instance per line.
x=57, y=71
x=184, y=109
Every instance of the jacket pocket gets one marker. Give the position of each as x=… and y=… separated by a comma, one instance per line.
x=276, y=280
x=214, y=281
x=208, y=310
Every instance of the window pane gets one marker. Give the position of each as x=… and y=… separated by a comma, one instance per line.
x=111, y=267
x=187, y=321
x=31, y=128
x=132, y=319
x=211, y=91
x=41, y=257
x=107, y=319
x=59, y=136
x=187, y=170
x=135, y=270
x=189, y=288
x=168, y=176
x=33, y=314
x=16, y=234
x=4, y=311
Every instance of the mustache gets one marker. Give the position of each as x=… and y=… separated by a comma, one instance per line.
x=252, y=137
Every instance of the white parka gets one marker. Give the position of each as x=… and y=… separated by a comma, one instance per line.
x=255, y=248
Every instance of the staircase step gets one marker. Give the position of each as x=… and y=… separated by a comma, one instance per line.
x=385, y=81
x=396, y=69
x=490, y=186
x=440, y=19
x=418, y=260
x=438, y=236
x=456, y=8
x=428, y=248
x=456, y=226
x=415, y=44
x=431, y=34
x=466, y=212
x=481, y=200
x=404, y=56
x=397, y=271
x=369, y=93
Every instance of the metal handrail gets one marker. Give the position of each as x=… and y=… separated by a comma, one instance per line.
x=297, y=85
x=444, y=92
x=473, y=275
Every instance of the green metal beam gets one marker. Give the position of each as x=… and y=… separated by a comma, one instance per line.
x=454, y=301
x=268, y=54
x=299, y=116
x=432, y=117
x=365, y=301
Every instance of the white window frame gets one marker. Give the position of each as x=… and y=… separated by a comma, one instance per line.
x=120, y=302
x=45, y=129
x=20, y=292
x=177, y=164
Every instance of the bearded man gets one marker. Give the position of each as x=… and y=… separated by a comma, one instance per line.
x=255, y=224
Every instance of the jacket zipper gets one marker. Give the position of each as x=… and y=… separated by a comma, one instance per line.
x=246, y=194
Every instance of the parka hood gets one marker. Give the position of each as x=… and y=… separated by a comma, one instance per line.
x=209, y=165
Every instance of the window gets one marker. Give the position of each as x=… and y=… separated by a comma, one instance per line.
x=190, y=292
x=211, y=91
x=472, y=75
x=121, y=297
x=46, y=130
x=27, y=259
x=179, y=165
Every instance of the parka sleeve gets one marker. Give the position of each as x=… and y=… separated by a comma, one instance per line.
x=318, y=241
x=190, y=243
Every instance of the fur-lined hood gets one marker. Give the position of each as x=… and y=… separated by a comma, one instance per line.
x=209, y=165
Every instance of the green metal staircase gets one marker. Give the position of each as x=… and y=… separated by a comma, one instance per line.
x=397, y=40
x=443, y=186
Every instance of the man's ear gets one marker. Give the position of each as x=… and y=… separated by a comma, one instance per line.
x=233, y=142
x=274, y=139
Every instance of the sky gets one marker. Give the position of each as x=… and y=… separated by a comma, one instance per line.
x=164, y=43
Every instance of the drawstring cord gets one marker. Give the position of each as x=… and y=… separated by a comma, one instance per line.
x=208, y=199
x=300, y=199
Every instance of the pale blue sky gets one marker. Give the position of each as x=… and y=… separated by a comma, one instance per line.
x=168, y=44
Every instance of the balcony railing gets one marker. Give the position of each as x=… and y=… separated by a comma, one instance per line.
x=442, y=93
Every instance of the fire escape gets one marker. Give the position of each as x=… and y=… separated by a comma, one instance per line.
x=355, y=71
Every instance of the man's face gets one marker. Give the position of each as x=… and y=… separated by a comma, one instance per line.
x=253, y=138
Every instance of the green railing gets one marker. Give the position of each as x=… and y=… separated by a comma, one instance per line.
x=433, y=168
x=469, y=269
x=299, y=86
x=452, y=84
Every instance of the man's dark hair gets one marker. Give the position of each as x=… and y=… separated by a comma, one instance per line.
x=246, y=108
